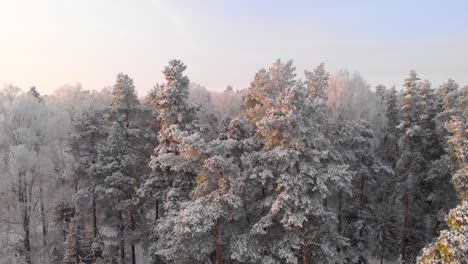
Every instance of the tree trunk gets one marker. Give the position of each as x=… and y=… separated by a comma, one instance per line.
x=8, y=224
x=43, y=219
x=383, y=238
x=405, y=226
x=132, y=227
x=361, y=205
x=156, y=214
x=26, y=239
x=24, y=193
x=340, y=218
x=263, y=196
x=382, y=254
x=122, y=240
x=218, y=242
x=95, y=229
x=122, y=251
x=304, y=245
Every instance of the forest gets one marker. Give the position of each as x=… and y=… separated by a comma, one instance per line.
x=318, y=169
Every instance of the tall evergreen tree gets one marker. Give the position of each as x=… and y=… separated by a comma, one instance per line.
x=207, y=225
x=450, y=247
x=115, y=162
x=389, y=146
x=411, y=168
x=123, y=94
x=165, y=184
x=266, y=87
x=131, y=116
x=444, y=92
x=290, y=172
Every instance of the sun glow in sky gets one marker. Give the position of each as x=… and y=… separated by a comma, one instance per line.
x=49, y=43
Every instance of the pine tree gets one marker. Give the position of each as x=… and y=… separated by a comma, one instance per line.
x=432, y=147
x=266, y=87
x=317, y=82
x=131, y=117
x=164, y=184
x=115, y=162
x=88, y=133
x=411, y=169
x=411, y=117
x=441, y=194
x=389, y=145
x=173, y=113
x=290, y=172
x=381, y=91
x=206, y=226
x=447, y=94
x=444, y=93
x=450, y=247
x=123, y=94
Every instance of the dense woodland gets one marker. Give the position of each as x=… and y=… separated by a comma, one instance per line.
x=324, y=169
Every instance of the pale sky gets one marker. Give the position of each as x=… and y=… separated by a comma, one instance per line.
x=48, y=43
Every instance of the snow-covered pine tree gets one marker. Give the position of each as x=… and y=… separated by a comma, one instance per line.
x=443, y=196
x=381, y=91
x=166, y=186
x=429, y=110
x=411, y=170
x=411, y=113
x=123, y=95
x=321, y=133
x=451, y=245
x=88, y=133
x=266, y=87
x=261, y=97
x=440, y=195
x=115, y=163
x=131, y=117
x=206, y=227
x=444, y=94
x=290, y=172
x=388, y=148
x=317, y=82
